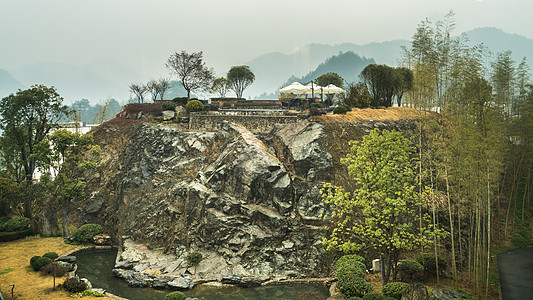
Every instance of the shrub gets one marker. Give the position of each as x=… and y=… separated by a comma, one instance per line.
x=520, y=240
x=428, y=262
x=316, y=105
x=54, y=269
x=73, y=285
x=394, y=289
x=33, y=260
x=11, y=236
x=146, y=108
x=194, y=258
x=352, y=285
x=92, y=294
x=51, y=255
x=194, y=105
x=2, y=221
x=175, y=296
x=316, y=111
x=350, y=259
x=410, y=269
x=86, y=232
x=39, y=263
x=341, y=109
x=16, y=224
x=353, y=268
x=355, y=298
x=168, y=105
x=373, y=296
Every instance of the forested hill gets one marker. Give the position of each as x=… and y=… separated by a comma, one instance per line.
x=348, y=65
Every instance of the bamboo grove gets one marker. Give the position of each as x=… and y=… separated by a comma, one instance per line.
x=477, y=155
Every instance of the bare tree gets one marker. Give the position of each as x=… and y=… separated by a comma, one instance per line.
x=152, y=88
x=163, y=85
x=191, y=71
x=139, y=90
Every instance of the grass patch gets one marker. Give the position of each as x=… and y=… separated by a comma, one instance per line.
x=5, y=271
x=15, y=257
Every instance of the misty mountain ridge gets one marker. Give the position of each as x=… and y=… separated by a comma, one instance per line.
x=8, y=84
x=106, y=78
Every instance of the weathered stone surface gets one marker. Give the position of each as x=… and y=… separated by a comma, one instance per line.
x=102, y=240
x=231, y=279
x=182, y=283
x=45, y=222
x=250, y=204
x=416, y=292
x=67, y=259
x=180, y=110
x=68, y=266
x=446, y=294
x=168, y=115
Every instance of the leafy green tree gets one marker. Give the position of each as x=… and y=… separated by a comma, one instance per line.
x=239, y=78
x=7, y=194
x=27, y=117
x=358, y=95
x=68, y=154
x=191, y=71
x=330, y=78
x=381, y=212
x=220, y=87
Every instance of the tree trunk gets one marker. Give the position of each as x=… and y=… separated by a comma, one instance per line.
x=451, y=224
x=66, y=209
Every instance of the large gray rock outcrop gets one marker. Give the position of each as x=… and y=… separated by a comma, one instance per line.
x=229, y=195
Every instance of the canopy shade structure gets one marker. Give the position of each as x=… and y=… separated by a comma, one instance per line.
x=294, y=88
x=332, y=89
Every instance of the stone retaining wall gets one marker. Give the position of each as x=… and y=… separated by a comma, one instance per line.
x=253, y=120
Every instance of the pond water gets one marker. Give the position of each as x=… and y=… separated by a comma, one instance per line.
x=97, y=267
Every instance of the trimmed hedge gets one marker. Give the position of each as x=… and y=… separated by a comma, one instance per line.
x=194, y=105
x=168, y=105
x=40, y=263
x=51, y=255
x=373, y=296
x=394, y=289
x=410, y=269
x=16, y=224
x=350, y=259
x=86, y=232
x=175, y=296
x=352, y=285
x=341, y=109
x=11, y=236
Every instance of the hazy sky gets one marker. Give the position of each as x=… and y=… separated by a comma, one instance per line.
x=143, y=34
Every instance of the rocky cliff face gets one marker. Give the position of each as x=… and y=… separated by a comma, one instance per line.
x=251, y=205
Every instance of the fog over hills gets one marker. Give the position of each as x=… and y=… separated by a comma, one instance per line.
x=105, y=78
x=8, y=84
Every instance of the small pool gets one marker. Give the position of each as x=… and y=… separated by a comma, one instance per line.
x=97, y=266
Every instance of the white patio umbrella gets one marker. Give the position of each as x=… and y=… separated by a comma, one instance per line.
x=332, y=89
x=313, y=88
x=294, y=88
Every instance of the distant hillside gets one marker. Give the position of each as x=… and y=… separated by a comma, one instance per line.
x=8, y=84
x=499, y=41
x=272, y=69
x=348, y=65
x=97, y=81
